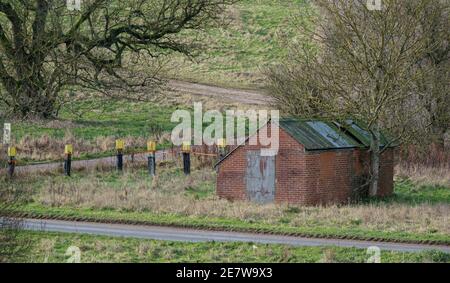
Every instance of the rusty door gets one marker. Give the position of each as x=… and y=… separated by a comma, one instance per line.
x=260, y=177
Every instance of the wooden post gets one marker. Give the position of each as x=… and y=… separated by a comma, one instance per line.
x=120, y=145
x=186, y=149
x=151, y=148
x=11, y=161
x=68, y=151
x=221, y=148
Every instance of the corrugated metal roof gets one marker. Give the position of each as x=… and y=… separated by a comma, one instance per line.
x=322, y=135
x=318, y=135
x=357, y=130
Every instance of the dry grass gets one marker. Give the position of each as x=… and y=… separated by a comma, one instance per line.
x=194, y=196
x=439, y=176
x=46, y=148
x=425, y=164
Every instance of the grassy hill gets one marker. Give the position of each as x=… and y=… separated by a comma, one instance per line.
x=237, y=54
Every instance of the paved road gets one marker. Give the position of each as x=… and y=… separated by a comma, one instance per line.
x=190, y=235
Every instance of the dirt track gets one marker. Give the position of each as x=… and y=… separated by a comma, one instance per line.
x=234, y=95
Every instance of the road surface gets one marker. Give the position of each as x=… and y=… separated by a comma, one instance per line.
x=191, y=235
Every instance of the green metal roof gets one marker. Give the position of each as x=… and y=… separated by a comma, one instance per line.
x=322, y=135
x=318, y=135
x=357, y=130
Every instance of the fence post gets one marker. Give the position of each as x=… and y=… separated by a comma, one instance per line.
x=11, y=160
x=68, y=151
x=151, y=148
x=221, y=148
x=186, y=149
x=120, y=145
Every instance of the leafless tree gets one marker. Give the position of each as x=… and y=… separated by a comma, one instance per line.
x=435, y=66
x=47, y=49
x=354, y=62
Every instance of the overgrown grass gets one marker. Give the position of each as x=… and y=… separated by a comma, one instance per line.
x=438, y=176
x=174, y=199
x=52, y=247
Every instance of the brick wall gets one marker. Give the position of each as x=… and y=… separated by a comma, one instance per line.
x=329, y=179
x=386, y=182
x=305, y=178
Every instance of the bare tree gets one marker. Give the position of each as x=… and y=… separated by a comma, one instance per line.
x=435, y=66
x=46, y=48
x=363, y=64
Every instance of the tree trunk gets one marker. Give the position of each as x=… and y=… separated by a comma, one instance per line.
x=34, y=102
x=374, y=160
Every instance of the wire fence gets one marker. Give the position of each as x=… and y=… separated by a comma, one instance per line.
x=130, y=157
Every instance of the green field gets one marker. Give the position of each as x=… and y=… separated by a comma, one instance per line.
x=52, y=247
x=91, y=119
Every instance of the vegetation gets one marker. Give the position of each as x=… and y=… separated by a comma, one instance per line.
x=52, y=247
x=414, y=214
x=47, y=49
x=51, y=66
x=238, y=53
x=408, y=192
x=92, y=126
x=371, y=66
x=12, y=244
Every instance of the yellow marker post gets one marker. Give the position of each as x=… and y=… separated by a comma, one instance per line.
x=120, y=145
x=221, y=143
x=186, y=149
x=12, y=160
x=221, y=146
x=151, y=146
x=68, y=151
x=12, y=151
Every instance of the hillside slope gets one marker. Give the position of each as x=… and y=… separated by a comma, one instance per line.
x=237, y=54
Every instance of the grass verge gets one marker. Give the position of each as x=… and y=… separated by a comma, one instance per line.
x=52, y=247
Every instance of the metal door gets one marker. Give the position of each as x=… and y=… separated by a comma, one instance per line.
x=260, y=177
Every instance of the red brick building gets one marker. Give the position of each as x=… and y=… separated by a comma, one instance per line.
x=317, y=163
